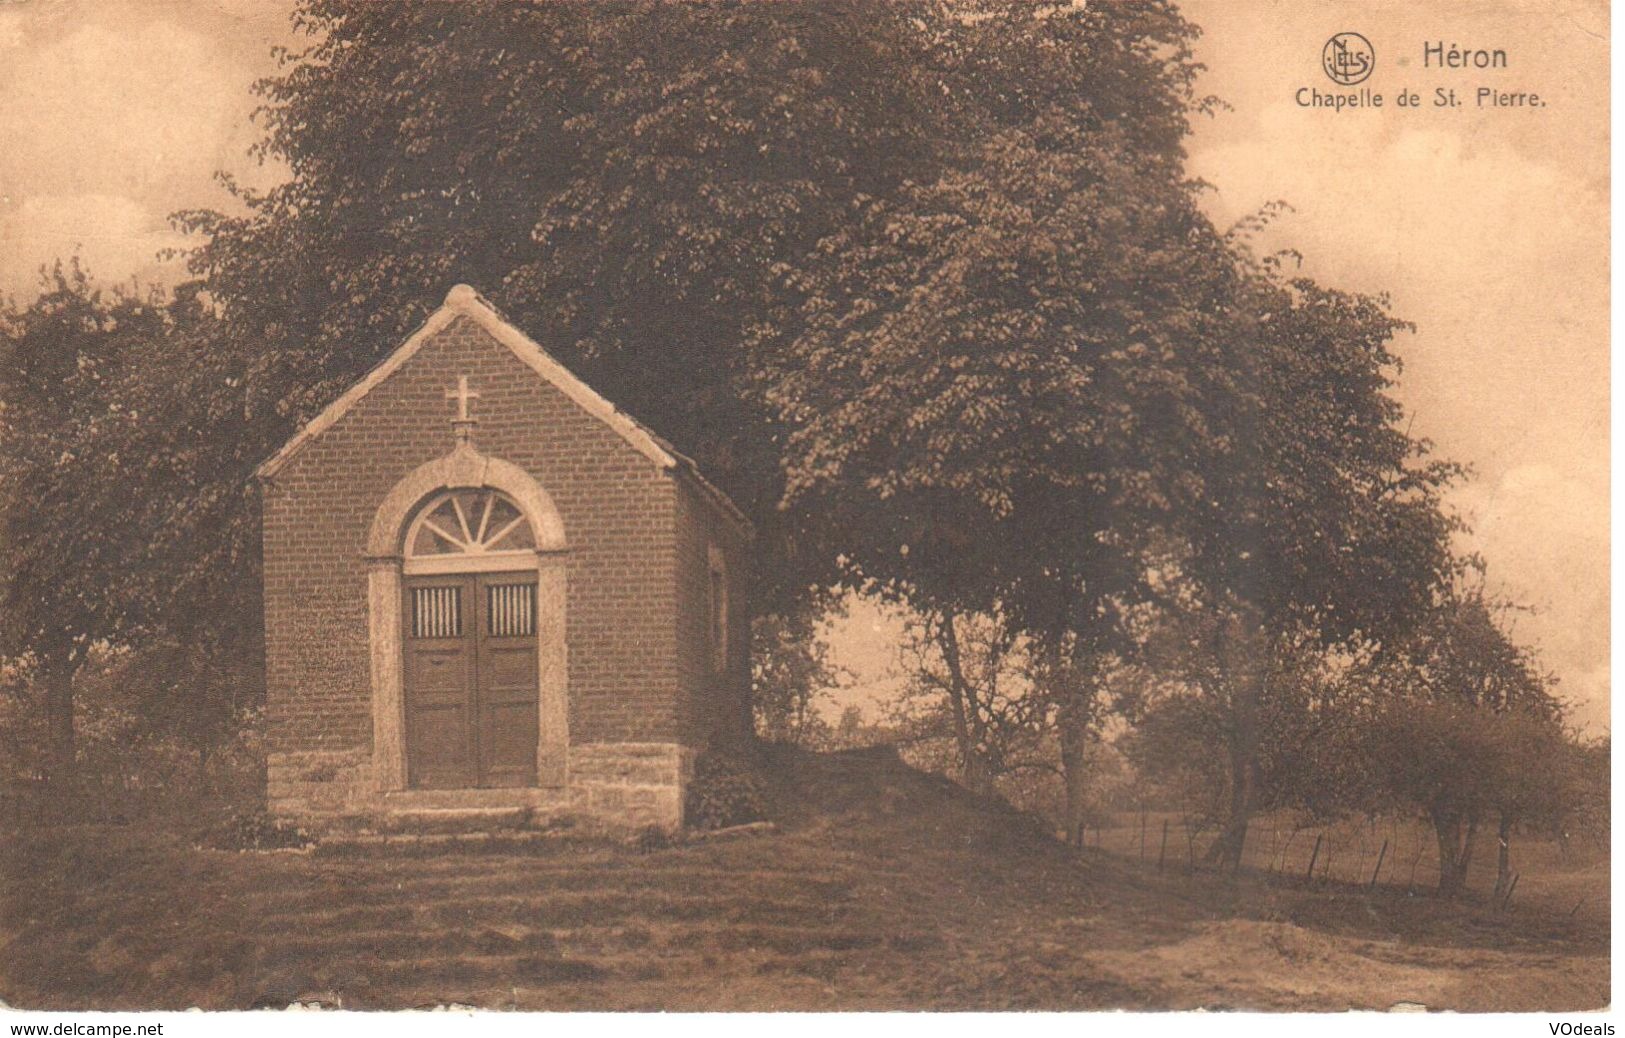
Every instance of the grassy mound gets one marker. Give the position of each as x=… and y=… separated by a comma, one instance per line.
x=883, y=888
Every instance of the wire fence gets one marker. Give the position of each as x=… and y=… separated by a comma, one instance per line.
x=1386, y=851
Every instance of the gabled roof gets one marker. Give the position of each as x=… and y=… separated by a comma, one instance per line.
x=463, y=301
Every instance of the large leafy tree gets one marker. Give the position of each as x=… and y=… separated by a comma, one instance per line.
x=1320, y=516
x=623, y=180
x=122, y=469
x=1001, y=393
x=69, y=479
x=665, y=195
x=1465, y=729
x=641, y=184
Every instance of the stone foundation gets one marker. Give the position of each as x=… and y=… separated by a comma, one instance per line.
x=319, y=784
x=635, y=784
x=618, y=785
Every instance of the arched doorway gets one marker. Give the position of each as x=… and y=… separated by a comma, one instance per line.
x=470, y=643
x=465, y=555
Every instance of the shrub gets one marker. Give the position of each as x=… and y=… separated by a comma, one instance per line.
x=258, y=831
x=728, y=789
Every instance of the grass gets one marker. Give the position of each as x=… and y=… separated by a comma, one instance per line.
x=885, y=889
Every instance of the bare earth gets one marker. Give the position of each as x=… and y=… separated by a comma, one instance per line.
x=885, y=889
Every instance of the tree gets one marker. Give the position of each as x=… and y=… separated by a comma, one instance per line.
x=1465, y=728
x=790, y=671
x=996, y=392
x=970, y=683
x=624, y=181
x=1081, y=682
x=71, y=541
x=1306, y=723
x=643, y=186
x=1319, y=517
x=661, y=193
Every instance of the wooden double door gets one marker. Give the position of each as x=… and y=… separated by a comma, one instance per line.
x=471, y=680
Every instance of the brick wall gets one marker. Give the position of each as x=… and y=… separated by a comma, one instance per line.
x=716, y=704
x=620, y=515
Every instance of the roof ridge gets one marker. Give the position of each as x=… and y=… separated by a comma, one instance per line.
x=462, y=300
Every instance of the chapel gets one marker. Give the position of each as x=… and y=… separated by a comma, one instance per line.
x=489, y=592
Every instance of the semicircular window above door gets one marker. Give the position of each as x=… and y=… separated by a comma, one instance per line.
x=466, y=531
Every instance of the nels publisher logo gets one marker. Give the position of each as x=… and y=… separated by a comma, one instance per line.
x=1348, y=58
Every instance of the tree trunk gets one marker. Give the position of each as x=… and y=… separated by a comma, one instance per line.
x=1447, y=829
x=1455, y=850
x=1241, y=652
x=1227, y=850
x=973, y=769
x=1074, y=736
x=1503, y=858
x=1465, y=858
x=57, y=671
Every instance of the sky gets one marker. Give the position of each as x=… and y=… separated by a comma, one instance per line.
x=1488, y=228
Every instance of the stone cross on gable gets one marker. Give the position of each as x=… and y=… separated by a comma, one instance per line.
x=465, y=422
x=462, y=394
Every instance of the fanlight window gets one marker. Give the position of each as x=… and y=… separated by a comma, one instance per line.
x=469, y=530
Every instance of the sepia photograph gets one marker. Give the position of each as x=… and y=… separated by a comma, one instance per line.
x=834, y=506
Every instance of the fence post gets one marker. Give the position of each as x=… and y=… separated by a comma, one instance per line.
x=1510, y=888
x=1280, y=868
x=1142, y=835
x=1163, y=854
x=1378, y=870
x=1314, y=855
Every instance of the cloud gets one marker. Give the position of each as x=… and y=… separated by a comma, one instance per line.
x=1499, y=255
x=115, y=114
x=105, y=111
x=115, y=236
x=1545, y=535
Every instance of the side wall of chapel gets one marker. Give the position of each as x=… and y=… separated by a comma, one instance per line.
x=716, y=699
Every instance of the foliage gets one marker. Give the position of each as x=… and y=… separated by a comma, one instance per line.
x=1320, y=526
x=74, y=535
x=1319, y=511
x=141, y=754
x=699, y=206
x=641, y=185
x=727, y=789
x=924, y=287
x=969, y=683
x=62, y=514
x=981, y=359
x=1466, y=728
x=1305, y=717
x=1172, y=748
x=853, y=731
x=995, y=390
x=622, y=181
x=1589, y=813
